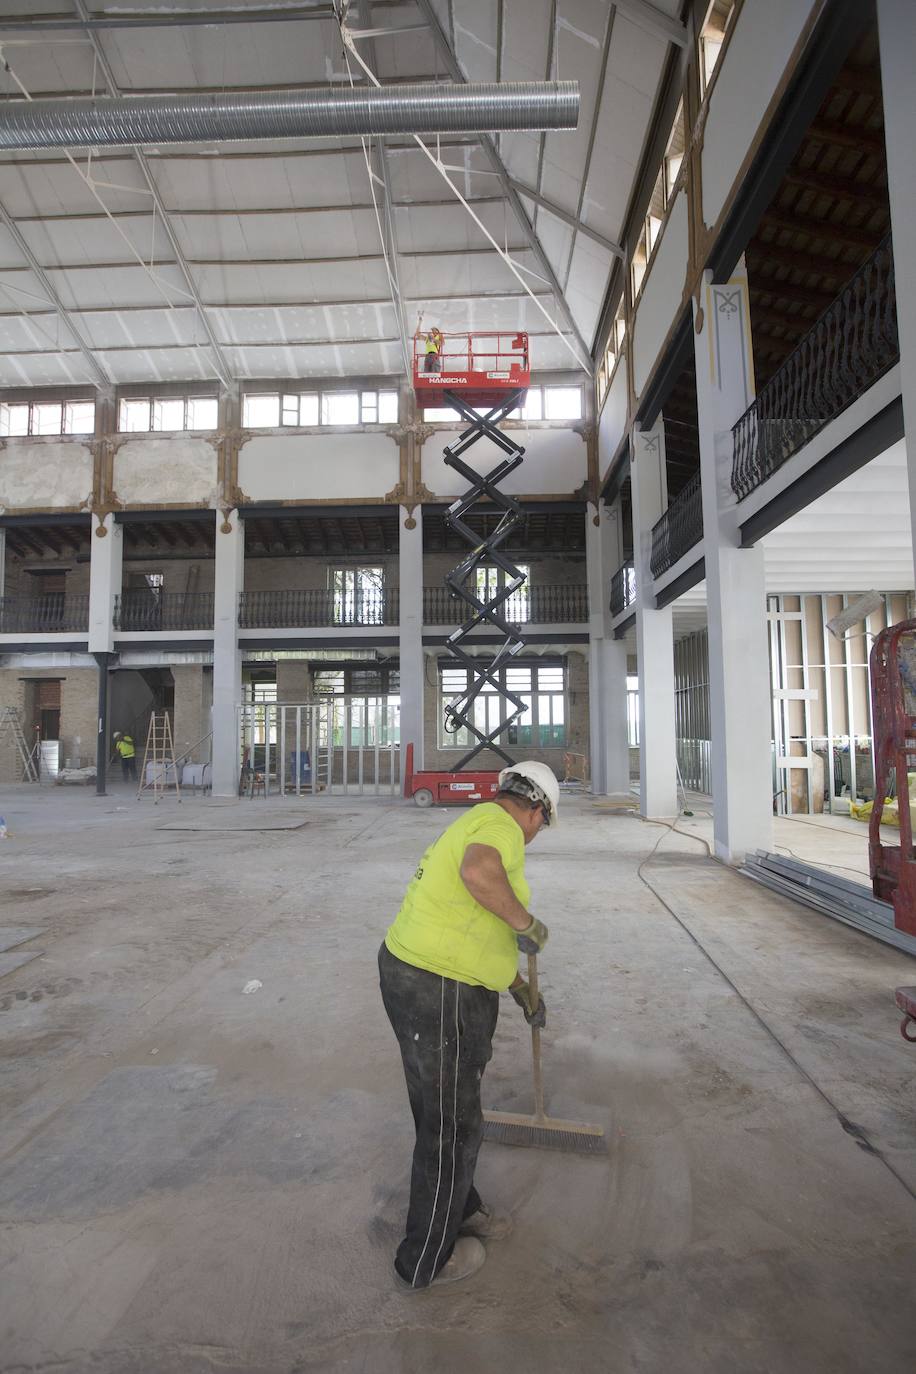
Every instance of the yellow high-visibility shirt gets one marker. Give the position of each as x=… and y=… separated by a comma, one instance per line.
x=440, y=927
x=433, y=344
x=125, y=747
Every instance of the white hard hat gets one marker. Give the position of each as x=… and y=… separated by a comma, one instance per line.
x=534, y=780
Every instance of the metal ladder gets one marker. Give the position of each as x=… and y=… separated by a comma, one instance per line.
x=459, y=712
x=10, y=725
x=160, y=754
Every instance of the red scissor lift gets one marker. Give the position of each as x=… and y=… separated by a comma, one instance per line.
x=488, y=372
x=893, y=867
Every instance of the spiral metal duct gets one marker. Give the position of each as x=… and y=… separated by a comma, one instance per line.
x=329, y=112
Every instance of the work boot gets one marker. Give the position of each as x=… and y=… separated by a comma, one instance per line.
x=486, y=1224
x=466, y=1258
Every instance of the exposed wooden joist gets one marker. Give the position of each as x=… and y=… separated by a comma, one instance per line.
x=846, y=136
x=844, y=234
x=839, y=187
x=836, y=269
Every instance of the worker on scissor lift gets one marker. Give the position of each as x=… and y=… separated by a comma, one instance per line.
x=434, y=342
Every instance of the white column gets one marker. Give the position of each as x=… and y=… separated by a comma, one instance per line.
x=106, y=553
x=229, y=572
x=654, y=631
x=897, y=45
x=739, y=677
x=2, y=561
x=410, y=561
x=607, y=656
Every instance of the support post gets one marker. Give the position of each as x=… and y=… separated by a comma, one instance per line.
x=654, y=631
x=101, y=745
x=106, y=553
x=739, y=685
x=896, y=44
x=229, y=573
x=607, y=656
x=410, y=632
x=2, y=562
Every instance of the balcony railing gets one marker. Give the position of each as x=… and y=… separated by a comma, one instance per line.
x=679, y=529
x=316, y=607
x=538, y=605
x=149, y=611
x=623, y=588
x=55, y=612
x=853, y=343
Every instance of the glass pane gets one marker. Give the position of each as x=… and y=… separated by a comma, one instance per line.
x=79, y=417
x=388, y=407
x=369, y=407
x=289, y=410
x=340, y=408
x=133, y=417
x=47, y=419
x=14, y=419
x=562, y=403
x=203, y=412
x=261, y=412
x=168, y=413
x=437, y=414
x=533, y=408
x=308, y=408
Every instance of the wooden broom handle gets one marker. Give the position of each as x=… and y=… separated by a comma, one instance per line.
x=536, y=1039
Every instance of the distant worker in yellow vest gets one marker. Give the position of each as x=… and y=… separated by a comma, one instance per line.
x=125, y=747
x=452, y=949
x=434, y=342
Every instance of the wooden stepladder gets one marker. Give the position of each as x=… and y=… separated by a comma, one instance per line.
x=11, y=727
x=160, y=771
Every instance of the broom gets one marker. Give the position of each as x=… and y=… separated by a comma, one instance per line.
x=512, y=1128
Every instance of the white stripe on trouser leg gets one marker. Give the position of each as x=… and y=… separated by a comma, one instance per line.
x=451, y=1194
x=432, y=1218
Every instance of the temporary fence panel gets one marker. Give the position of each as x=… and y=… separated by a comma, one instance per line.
x=336, y=744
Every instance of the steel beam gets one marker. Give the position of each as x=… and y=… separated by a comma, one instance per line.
x=489, y=148
x=568, y=218
x=223, y=370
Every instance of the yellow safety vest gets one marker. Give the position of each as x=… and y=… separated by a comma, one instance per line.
x=125, y=747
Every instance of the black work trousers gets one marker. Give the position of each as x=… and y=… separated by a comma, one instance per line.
x=445, y=1033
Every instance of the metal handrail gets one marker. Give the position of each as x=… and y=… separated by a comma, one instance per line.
x=623, y=587
x=853, y=343
x=679, y=529
x=141, y=609
x=545, y=604
x=54, y=612
x=320, y=607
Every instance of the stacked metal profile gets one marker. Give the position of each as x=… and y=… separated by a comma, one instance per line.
x=849, y=902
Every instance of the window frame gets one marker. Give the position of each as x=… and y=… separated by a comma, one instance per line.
x=153, y=398
x=286, y=393
x=463, y=739
x=32, y=404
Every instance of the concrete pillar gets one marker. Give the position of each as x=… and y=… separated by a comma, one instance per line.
x=410, y=634
x=739, y=677
x=2, y=562
x=897, y=44
x=191, y=721
x=106, y=553
x=229, y=571
x=654, y=631
x=607, y=656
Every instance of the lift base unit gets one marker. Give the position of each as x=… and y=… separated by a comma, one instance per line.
x=431, y=788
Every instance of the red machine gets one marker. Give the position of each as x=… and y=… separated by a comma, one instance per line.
x=481, y=367
x=893, y=694
x=430, y=788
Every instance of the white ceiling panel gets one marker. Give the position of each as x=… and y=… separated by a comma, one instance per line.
x=526, y=40
x=462, y=275
x=292, y=283
x=475, y=24
x=316, y=360
x=40, y=187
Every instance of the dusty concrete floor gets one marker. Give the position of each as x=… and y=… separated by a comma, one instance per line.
x=194, y=1178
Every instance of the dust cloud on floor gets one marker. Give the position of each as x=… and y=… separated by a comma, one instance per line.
x=195, y=1176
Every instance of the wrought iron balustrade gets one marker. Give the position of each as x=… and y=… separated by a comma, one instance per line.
x=149, y=610
x=679, y=529
x=853, y=343
x=559, y=604
x=623, y=588
x=55, y=612
x=310, y=607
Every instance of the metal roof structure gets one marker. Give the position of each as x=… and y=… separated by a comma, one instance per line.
x=233, y=261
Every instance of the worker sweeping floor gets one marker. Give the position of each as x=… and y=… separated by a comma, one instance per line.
x=205, y=1140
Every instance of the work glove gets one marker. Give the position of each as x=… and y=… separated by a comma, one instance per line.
x=533, y=938
x=535, y=1016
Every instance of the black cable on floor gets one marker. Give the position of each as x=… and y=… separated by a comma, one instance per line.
x=850, y=1127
